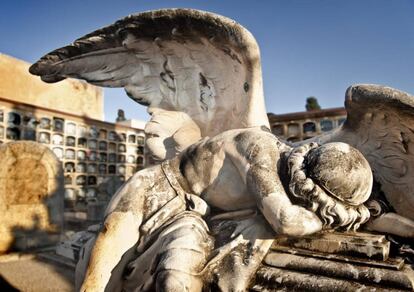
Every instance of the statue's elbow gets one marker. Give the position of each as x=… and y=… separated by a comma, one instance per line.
x=300, y=228
x=292, y=231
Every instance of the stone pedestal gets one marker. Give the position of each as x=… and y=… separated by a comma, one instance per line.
x=333, y=262
x=31, y=196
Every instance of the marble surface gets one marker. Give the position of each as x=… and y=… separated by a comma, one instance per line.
x=226, y=176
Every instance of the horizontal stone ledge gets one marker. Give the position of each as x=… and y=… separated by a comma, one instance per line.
x=275, y=279
x=390, y=263
x=403, y=279
x=356, y=244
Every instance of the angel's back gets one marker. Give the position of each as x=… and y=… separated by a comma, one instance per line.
x=216, y=168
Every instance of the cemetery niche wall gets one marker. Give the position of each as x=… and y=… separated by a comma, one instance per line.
x=96, y=156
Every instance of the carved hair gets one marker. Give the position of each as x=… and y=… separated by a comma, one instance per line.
x=333, y=213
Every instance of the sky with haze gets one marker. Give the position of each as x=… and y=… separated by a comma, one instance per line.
x=308, y=48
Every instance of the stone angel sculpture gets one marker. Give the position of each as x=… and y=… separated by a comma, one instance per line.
x=208, y=213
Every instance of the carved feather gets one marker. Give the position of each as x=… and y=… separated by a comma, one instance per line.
x=182, y=60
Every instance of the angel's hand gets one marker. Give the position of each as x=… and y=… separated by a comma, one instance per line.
x=169, y=132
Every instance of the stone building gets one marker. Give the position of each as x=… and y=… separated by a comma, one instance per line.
x=299, y=126
x=67, y=117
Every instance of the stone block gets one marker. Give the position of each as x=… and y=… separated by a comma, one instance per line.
x=359, y=244
x=333, y=261
x=31, y=196
x=403, y=279
x=275, y=279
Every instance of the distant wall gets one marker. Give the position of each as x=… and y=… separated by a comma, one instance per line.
x=70, y=95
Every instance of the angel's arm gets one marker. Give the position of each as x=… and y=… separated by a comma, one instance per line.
x=264, y=182
x=392, y=223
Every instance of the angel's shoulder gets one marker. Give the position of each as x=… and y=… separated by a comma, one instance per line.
x=247, y=139
x=255, y=135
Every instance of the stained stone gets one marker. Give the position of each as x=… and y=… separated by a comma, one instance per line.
x=275, y=279
x=365, y=245
x=31, y=196
x=21, y=188
x=390, y=263
x=370, y=275
x=333, y=261
x=212, y=87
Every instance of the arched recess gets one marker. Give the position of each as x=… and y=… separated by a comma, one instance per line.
x=31, y=195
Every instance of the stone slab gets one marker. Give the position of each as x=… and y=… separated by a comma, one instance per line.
x=275, y=279
x=364, y=245
x=403, y=279
x=390, y=263
x=31, y=196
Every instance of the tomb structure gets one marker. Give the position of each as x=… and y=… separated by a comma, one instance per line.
x=31, y=196
x=97, y=156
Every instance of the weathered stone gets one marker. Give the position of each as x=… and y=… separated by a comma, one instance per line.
x=390, y=263
x=69, y=96
x=21, y=188
x=275, y=279
x=403, y=279
x=31, y=196
x=359, y=244
x=210, y=86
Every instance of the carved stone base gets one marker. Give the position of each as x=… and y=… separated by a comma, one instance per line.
x=323, y=263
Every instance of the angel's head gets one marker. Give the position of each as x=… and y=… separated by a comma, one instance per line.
x=332, y=180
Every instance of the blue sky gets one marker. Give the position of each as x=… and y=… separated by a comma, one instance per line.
x=317, y=47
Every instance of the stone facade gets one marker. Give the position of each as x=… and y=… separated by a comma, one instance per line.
x=31, y=196
x=16, y=83
x=96, y=156
x=303, y=125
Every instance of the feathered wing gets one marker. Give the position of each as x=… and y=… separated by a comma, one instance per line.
x=380, y=123
x=195, y=70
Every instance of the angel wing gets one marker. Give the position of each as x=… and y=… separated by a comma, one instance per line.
x=380, y=123
x=199, y=73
